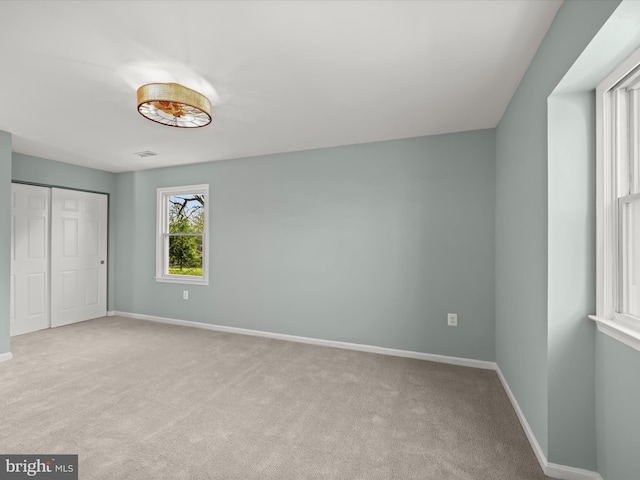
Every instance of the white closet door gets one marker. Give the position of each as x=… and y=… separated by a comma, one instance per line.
x=78, y=256
x=29, y=286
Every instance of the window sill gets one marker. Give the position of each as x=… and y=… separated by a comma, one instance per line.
x=183, y=281
x=629, y=335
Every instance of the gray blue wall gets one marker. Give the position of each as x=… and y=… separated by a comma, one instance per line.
x=571, y=280
x=618, y=409
x=617, y=382
x=371, y=244
x=551, y=356
x=5, y=239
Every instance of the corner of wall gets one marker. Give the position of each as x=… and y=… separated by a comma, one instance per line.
x=5, y=240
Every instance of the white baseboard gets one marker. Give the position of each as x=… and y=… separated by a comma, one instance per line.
x=542, y=459
x=5, y=356
x=110, y=313
x=551, y=469
x=464, y=362
x=570, y=473
x=554, y=470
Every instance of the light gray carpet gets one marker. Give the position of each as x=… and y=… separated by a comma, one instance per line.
x=139, y=400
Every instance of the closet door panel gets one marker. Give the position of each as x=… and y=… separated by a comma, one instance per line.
x=78, y=256
x=29, y=283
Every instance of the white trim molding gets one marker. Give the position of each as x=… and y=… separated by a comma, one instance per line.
x=618, y=331
x=5, y=356
x=537, y=450
x=464, y=362
x=554, y=470
x=617, y=185
x=570, y=473
x=162, y=235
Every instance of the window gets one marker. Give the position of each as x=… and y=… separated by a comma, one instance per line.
x=618, y=203
x=182, y=254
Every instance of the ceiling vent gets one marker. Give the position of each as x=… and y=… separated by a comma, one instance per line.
x=146, y=153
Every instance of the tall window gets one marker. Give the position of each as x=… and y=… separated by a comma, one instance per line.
x=618, y=203
x=182, y=246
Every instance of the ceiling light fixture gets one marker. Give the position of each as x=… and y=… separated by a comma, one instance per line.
x=174, y=105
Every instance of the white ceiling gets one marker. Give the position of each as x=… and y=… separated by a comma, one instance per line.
x=282, y=75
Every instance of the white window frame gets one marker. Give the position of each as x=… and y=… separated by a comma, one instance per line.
x=617, y=140
x=162, y=235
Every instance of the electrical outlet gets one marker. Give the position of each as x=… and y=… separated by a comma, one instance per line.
x=452, y=319
x=185, y=294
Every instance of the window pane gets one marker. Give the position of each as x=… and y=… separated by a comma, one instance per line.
x=186, y=213
x=634, y=140
x=185, y=255
x=181, y=241
x=631, y=258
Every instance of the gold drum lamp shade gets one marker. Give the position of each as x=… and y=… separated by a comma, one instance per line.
x=174, y=105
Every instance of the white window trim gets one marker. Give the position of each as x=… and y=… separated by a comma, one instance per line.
x=623, y=328
x=161, y=224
